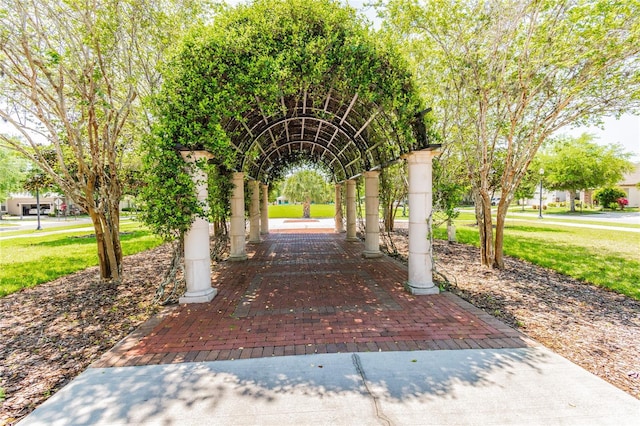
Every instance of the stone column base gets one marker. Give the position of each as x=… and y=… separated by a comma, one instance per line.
x=352, y=239
x=237, y=257
x=371, y=254
x=203, y=296
x=421, y=291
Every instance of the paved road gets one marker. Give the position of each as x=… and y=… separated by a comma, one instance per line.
x=617, y=217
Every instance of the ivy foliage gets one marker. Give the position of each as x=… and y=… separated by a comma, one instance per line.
x=266, y=51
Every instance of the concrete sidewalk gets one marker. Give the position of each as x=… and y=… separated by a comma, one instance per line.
x=523, y=386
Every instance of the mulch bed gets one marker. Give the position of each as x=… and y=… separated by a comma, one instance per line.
x=52, y=332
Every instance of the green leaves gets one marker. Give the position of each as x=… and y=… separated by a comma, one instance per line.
x=503, y=76
x=307, y=185
x=256, y=58
x=580, y=163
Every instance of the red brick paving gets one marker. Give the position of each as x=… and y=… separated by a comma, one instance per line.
x=310, y=292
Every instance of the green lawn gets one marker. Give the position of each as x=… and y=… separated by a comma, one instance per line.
x=288, y=211
x=32, y=260
x=602, y=257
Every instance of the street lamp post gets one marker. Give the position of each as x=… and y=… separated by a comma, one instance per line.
x=540, y=206
x=38, y=208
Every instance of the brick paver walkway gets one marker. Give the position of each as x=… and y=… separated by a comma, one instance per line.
x=310, y=292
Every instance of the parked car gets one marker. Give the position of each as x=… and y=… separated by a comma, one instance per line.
x=495, y=201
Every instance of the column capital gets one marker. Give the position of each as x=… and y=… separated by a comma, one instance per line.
x=193, y=156
x=423, y=156
x=371, y=174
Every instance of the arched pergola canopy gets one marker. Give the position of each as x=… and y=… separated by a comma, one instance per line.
x=269, y=86
x=273, y=82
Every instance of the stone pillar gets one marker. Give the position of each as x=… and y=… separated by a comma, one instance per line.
x=254, y=212
x=237, y=219
x=420, y=209
x=351, y=210
x=338, y=216
x=264, y=210
x=372, y=212
x=197, y=258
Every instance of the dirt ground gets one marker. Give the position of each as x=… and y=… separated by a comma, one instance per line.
x=51, y=333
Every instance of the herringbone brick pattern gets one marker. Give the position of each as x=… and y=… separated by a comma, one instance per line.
x=310, y=292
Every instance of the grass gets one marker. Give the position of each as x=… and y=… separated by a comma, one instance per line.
x=605, y=258
x=288, y=211
x=45, y=228
x=27, y=262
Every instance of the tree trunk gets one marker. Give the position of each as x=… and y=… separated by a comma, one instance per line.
x=572, y=201
x=485, y=226
x=498, y=252
x=107, y=230
x=389, y=217
x=306, y=209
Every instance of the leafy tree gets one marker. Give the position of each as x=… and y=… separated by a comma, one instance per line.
x=502, y=76
x=394, y=188
x=528, y=184
x=307, y=186
x=608, y=197
x=574, y=164
x=72, y=79
x=12, y=173
x=450, y=184
x=275, y=189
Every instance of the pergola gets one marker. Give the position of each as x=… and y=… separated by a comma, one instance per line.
x=352, y=126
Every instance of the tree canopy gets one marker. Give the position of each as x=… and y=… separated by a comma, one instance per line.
x=574, y=164
x=73, y=76
x=504, y=75
x=12, y=172
x=307, y=185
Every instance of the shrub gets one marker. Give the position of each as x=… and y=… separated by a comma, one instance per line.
x=608, y=196
x=622, y=202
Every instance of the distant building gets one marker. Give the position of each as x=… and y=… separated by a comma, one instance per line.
x=629, y=184
x=26, y=204
x=282, y=200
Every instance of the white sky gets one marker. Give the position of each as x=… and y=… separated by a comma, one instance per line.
x=625, y=131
